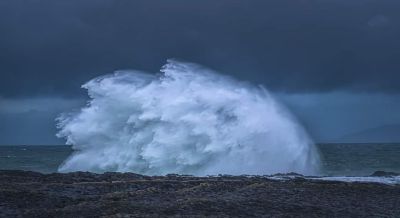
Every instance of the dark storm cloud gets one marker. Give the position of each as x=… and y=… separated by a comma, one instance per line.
x=53, y=46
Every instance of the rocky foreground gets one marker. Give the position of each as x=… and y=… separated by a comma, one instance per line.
x=31, y=194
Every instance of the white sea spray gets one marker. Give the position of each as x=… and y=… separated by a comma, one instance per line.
x=188, y=119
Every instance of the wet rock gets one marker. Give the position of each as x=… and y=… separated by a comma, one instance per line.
x=83, y=194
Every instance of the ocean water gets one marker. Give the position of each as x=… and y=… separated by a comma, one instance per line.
x=337, y=159
x=45, y=159
x=359, y=159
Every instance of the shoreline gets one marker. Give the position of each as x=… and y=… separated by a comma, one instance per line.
x=83, y=194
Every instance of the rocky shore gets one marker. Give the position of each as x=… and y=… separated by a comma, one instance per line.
x=81, y=194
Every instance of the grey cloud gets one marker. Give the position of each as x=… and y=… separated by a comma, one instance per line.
x=53, y=46
x=378, y=21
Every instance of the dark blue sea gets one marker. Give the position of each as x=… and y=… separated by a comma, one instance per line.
x=337, y=159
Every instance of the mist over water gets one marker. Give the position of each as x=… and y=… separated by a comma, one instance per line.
x=187, y=120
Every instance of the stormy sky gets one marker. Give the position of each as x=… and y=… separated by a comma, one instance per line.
x=334, y=63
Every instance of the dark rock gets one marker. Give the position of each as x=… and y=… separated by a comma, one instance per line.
x=83, y=194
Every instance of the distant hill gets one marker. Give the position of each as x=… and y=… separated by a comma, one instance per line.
x=383, y=134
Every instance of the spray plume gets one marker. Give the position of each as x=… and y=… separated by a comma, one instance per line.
x=188, y=120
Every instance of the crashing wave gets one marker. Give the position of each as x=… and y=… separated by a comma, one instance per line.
x=188, y=120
